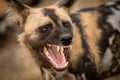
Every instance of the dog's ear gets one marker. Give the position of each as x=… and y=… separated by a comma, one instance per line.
x=15, y=8
x=66, y=3
x=18, y=5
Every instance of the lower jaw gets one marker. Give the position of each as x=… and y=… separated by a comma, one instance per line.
x=60, y=68
x=46, y=60
x=47, y=64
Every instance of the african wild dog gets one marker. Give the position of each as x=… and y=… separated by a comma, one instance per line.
x=84, y=45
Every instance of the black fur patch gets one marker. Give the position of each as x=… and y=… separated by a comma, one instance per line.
x=34, y=2
x=2, y=18
x=51, y=13
x=84, y=65
x=66, y=3
x=18, y=4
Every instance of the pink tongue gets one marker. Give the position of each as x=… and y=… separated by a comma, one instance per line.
x=56, y=56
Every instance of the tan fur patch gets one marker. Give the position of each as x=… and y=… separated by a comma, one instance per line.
x=36, y=19
x=89, y=22
x=2, y=8
x=76, y=50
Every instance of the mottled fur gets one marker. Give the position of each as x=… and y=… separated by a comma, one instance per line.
x=95, y=31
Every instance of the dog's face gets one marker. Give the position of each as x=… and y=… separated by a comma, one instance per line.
x=48, y=33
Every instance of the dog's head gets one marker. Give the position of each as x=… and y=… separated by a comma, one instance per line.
x=47, y=31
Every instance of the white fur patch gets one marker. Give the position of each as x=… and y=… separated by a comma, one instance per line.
x=47, y=75
x=83, y=76
x=106, y=61
x=109, y=3
x=114, y=19
x=111, y=39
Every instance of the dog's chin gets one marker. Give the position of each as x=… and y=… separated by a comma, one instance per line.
x=55, y=55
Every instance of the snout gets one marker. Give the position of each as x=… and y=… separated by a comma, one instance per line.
x=66, y=39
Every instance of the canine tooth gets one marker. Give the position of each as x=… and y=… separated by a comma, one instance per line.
x=49, y=45
x=66, y=64
x=45, y=49
x=63, y=55
x=47, y=53
x=49, y=57
x=61, y=49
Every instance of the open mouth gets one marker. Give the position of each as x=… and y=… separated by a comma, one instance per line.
x=55, y=55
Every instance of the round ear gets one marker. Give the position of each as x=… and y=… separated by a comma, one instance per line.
x=66, y=3
x=19, y=9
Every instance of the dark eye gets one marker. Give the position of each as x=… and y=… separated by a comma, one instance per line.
x=66, y=24
x=45, y=28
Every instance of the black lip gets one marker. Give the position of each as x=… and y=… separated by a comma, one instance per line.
x=60, y=69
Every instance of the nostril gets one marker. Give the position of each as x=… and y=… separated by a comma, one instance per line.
x=66, y=39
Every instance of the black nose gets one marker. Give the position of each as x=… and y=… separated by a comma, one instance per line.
x=66, y=39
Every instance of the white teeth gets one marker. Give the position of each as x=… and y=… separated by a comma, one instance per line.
x=52, y=60
x=62, y=66
x=45, y=49
x=61, y=49
x=46, y=52
x=66, y=64
x=58, y=48
x=49, y=45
